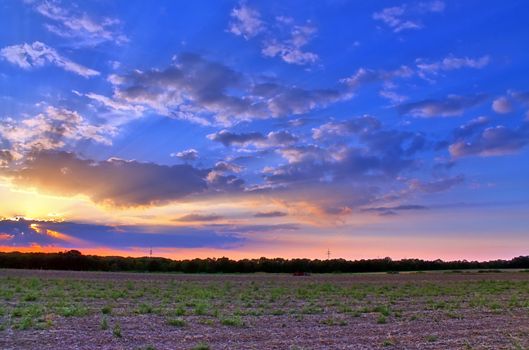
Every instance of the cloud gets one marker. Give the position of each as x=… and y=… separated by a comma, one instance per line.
x=199, y=218
x=367, y=76
x=375, y=153
x=218, y=182
x=228, y=138
x=188, y=154
x=270, y=214
x=405, y=17
x=113, y=182
x=25, y=232
x=6, y=157
x=393, y=96
x=392, y=210
x=493, y=141
x=451, y=106
x=198, y=90
x=450, y=63
x=314, y=164
x=227, y=167
x=434, y=186
x=113, y=104
x=78, y=26
x=360, y=163
x=283, y=39
x=272, y=139
x=290, y=49
x=522, y=97
x=365, y=123
x=28, y=56
x=502, y=105
x=246, y=22
x=52, y=129
x=471, y=127
x=284, y=100
x=364, y=76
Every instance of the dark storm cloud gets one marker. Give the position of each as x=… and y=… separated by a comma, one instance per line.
x=447, y=107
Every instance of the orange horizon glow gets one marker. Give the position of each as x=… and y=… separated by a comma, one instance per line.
x=204, y=253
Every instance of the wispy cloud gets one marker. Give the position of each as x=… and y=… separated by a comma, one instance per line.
x=281, y=38
x=273, y=138
x=450, y=106
x=79, y=26
x=37, y=54
x=450, y=63
x=270, y=214
x=199, y=218
x=408, y=17
x=246, y=22
x=291, y=49
x=392, y=210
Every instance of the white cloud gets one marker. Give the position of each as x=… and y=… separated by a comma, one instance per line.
x=406, y=17
x=188, y=154
x=36, y=55
x=202, y=91
x=79, y=26
x=291, y=49
x=392, y=96
x=450, y=106
x=365, y=76
x=392, y=16
x=52, y=129
x=502, y=105
x=114, y=104
x=246, y=22
x=451, y=63
x=285, y=40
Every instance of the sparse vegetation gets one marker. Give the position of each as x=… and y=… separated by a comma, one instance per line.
x=181, y=304
x=176, y=322
x=116, y=331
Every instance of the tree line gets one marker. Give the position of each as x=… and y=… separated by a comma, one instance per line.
x=74, y=260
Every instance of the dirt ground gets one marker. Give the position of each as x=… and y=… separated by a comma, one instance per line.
x=93, y=310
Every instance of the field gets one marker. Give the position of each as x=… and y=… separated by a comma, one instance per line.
x=89, y=310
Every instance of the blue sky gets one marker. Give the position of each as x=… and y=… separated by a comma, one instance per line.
x=226, y=128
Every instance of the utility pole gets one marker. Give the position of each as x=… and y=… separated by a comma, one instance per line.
x=328, y=254
x=150, y=253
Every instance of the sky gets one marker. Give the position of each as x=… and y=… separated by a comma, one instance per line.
x=265, y=128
